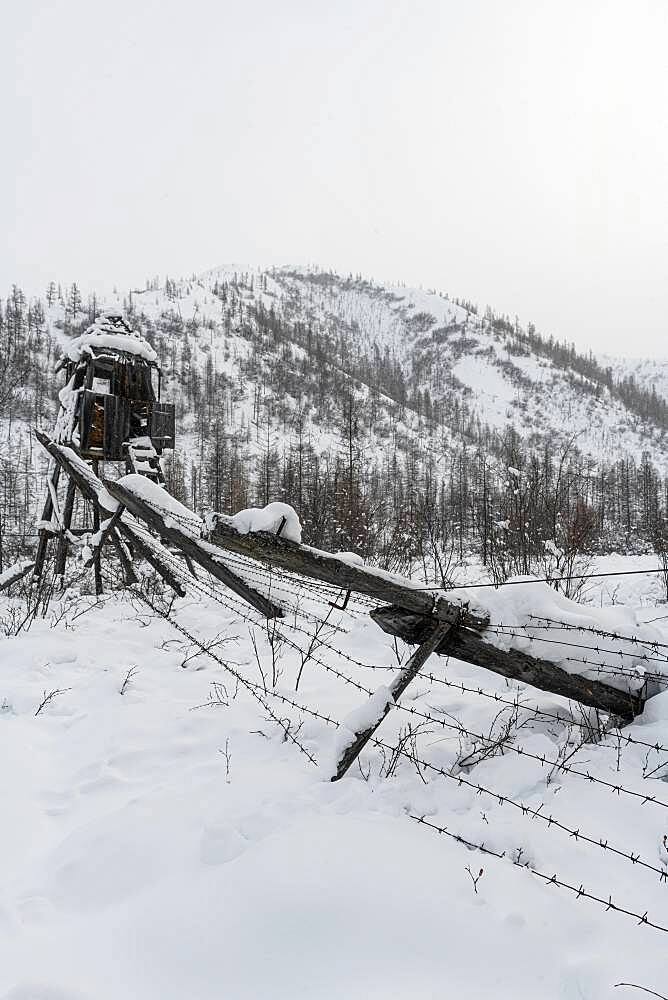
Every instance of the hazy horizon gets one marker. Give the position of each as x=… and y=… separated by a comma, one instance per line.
x=512, y=155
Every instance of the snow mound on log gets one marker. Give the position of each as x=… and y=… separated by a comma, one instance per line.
x=352, y=558
x=532, y=617
x=15, y=572
x=266, y=519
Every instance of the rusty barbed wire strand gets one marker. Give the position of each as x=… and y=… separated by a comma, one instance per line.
x=615, y=788
x=580, y=892
x=501, y=629
x=544, y=762
x=548, y=579
x=555, y=623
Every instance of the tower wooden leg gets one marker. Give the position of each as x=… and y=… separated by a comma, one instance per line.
x=97, y=568
x=44, y=535
x=61, y=556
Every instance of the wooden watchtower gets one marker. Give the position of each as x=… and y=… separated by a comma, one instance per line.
x=110, y=411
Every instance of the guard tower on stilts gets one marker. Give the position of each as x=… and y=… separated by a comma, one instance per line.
x=110, y=412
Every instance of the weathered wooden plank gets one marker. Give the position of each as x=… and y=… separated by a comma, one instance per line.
x=97, y=565
x=151, y=553
x=323, y=566
x=15, y=573
x=192, y=547
x=412, y=614
x=350, y=754
x=471, y=647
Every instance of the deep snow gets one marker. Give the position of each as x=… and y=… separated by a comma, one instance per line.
x=154, y=849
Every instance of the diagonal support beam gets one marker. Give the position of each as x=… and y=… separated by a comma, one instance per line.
x=108, y=527
x=192, y=548
x=396, y=689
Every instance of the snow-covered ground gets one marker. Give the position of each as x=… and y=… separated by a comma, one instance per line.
x=159, y=850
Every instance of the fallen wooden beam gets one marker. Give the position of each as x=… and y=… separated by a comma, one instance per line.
x=192, y=547
x=394, y=692
x=328, y=568
x=472, y=648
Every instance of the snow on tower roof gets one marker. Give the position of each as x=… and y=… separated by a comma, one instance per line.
x=111, y=330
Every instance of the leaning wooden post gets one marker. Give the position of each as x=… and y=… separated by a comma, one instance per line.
x=191, y=546
x=396, y=689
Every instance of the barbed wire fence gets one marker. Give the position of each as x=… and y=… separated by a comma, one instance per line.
x=301, y=623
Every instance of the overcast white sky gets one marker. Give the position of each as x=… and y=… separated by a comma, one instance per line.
x=514, y=152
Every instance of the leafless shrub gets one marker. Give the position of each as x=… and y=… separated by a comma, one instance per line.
x=475, y=878
x=48, y=698
x=406, y=748
x=127, y=679
x=313, y=646
x=651, y=769
x=502, y=731
x=227, y=754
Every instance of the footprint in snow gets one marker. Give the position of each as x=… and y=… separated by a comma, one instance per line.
x=221, y=844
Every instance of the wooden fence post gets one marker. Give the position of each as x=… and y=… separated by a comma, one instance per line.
x=396, y=689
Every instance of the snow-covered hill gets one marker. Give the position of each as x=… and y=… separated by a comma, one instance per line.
x=355, y=401
x=449, y=368
x=443, y=350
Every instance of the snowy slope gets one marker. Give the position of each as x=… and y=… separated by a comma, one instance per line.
x=435, y=339
x=441, y=346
